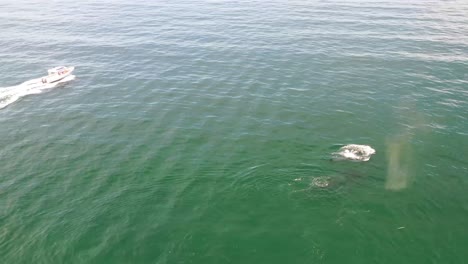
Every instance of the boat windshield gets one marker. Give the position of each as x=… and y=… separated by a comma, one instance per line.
x=57, y=70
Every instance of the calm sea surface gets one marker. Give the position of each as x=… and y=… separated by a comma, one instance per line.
x=194, y=132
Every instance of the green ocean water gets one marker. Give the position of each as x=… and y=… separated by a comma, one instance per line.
x=194, y=132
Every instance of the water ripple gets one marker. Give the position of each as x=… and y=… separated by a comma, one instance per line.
x=200, y=130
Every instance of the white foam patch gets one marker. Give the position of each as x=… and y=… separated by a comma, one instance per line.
x=354, y=152
x=9, y=95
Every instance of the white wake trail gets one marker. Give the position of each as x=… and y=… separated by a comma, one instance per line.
x=9, y=95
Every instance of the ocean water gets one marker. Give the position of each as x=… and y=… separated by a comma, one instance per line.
x=202, y=132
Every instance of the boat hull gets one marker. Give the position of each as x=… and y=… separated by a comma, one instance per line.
x=57, y=77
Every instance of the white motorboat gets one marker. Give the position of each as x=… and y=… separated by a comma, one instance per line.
x=57, y=74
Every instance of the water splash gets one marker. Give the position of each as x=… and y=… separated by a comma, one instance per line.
x=9, y=95
x=354, y=152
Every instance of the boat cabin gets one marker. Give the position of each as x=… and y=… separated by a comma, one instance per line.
x=57, y=70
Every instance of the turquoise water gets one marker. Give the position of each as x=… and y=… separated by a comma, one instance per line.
x=194, y=131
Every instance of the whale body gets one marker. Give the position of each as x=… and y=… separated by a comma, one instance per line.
x=354, y=152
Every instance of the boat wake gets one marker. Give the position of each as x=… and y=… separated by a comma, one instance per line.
x=9, y=95
x=354, y=152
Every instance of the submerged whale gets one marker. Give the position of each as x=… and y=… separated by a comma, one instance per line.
x=354, y=152
x=321, y=182
x=328, y=182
